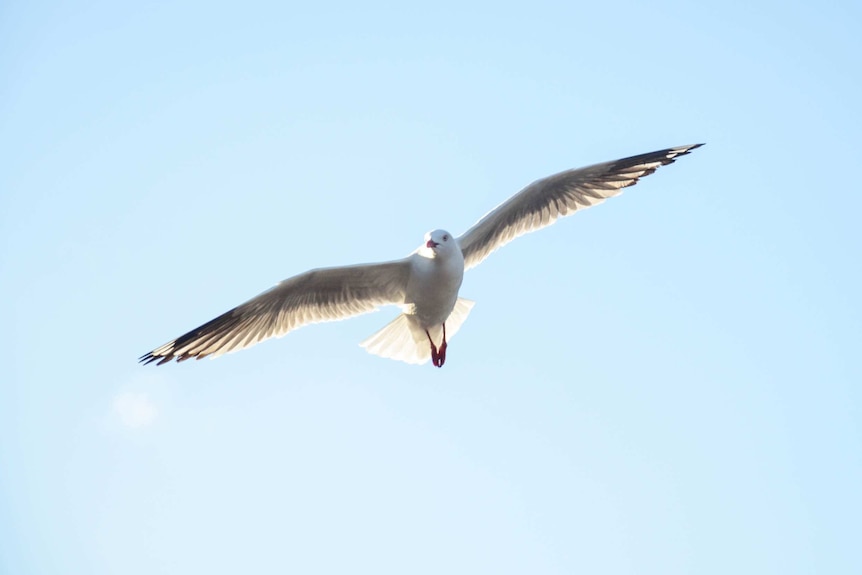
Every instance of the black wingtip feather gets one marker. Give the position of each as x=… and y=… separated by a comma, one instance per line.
x=149, y=358
x=685, y=152
x=664, y=157
x=184, y=339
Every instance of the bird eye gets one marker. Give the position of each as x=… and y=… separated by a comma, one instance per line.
x=445, y=238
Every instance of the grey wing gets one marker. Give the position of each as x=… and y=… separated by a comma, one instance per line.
x=542, y=202
x=326, y=294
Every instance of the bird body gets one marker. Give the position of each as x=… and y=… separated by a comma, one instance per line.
x=425, y=284
x=435, y=277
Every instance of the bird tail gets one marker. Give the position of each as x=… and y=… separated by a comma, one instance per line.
x=403, y=339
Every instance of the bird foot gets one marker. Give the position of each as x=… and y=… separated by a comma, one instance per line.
x=441, y=355
x=438, y=357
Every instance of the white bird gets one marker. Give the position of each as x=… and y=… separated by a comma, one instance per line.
x=425, y=284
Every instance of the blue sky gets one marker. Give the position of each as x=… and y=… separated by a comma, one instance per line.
x=667, y=383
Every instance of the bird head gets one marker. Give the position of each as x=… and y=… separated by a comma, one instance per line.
x=440, y=242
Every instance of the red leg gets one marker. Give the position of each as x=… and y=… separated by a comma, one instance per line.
x=435, y=357
x=443, y=346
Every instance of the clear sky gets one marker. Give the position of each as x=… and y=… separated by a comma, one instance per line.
x=668, y=383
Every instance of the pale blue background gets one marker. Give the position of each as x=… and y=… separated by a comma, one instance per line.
x=667, y=384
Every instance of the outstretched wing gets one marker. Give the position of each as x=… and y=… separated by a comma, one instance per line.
x=318, y=295
x=542, y=202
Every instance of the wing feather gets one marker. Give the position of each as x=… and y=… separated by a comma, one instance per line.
x=326, y=294
x=541, y=203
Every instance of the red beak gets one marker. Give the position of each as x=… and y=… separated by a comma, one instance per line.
x=431, y=244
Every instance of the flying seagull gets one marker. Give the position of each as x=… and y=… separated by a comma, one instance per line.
x=425, y=284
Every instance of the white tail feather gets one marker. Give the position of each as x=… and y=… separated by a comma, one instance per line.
x=404, y=340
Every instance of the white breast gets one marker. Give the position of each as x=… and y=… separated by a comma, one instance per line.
x=432, y=289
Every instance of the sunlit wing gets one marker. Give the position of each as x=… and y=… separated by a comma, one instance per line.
x=318, y=295
x=541, y=203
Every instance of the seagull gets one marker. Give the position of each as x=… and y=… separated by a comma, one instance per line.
x=424, y=285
